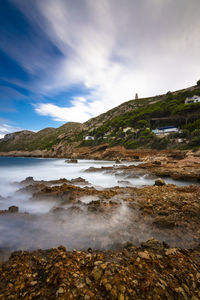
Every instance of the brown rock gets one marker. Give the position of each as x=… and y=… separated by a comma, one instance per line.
x=13, y=209
x=159, y=182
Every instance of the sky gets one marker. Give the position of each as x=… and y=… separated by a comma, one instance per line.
x=69, y=60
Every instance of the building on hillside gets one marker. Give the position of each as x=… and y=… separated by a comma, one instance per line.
x=89, y=138
x=165, y=130
x=194, y=99
x=136, y=96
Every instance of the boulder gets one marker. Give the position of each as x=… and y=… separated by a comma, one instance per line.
x=159, y=182
x=13, y=209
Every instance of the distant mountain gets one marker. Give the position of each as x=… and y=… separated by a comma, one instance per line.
x=129, y=124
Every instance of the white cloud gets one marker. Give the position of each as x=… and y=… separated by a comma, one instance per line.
x=78, y=112
x=114, y=49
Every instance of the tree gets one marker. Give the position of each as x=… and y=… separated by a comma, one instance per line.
x=142, y=124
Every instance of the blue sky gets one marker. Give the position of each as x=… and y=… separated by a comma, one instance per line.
x=68, y=60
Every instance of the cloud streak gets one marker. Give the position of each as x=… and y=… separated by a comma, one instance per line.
x=112, y=48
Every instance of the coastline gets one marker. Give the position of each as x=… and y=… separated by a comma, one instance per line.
x=177, y=164
x=124, y=267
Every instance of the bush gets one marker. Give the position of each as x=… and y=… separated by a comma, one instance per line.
x=159, y=143
x=142, y=124
x=193, y=126
x=195, y=142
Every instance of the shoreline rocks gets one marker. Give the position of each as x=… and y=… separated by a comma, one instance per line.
x=151, y=271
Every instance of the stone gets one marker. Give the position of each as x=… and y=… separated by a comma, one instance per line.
x=120, y=297
x=96, y=273
x=71, y=161
x=159, y=182
x=13, y=209
x=118, y=161
x=60, y=290
x=144, y=255
x=171, y=251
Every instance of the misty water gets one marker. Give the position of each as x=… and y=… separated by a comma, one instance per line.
x=39, y=228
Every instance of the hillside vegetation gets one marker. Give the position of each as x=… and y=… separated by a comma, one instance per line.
x=166, y=110
x=43, y=139
x=141, y=115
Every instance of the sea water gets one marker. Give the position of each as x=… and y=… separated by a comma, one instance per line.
x=37, y=229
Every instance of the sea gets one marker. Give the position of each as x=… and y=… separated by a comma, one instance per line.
x=35, y=227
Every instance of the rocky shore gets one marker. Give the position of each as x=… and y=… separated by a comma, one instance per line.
x=164, y=269
x=151, y=271
x=137, y=243
x=183, y=165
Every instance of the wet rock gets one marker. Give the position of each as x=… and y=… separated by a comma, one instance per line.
x=13, y=209
x=79, y=181
x=118, y=161
x=28, y=181
x=124, y=182
x=159, y=182
x=71, y=161
x=93, y=169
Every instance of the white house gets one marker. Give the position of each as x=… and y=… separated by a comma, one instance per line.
x=89, y=138
x=165, y=130
x=194, y=99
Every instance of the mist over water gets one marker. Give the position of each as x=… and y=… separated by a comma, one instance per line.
x=78, y=231
x=42, y=228
x=16, y=169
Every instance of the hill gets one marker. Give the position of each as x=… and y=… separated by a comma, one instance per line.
x=129, y=124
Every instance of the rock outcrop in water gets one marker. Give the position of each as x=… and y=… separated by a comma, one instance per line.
x=167, y=212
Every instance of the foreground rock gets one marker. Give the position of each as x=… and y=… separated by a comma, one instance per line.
x=152, y=271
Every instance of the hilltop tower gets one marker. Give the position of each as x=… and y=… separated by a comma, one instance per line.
x=136, y=96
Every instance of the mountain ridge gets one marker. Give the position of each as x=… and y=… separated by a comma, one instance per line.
x=138, y=114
